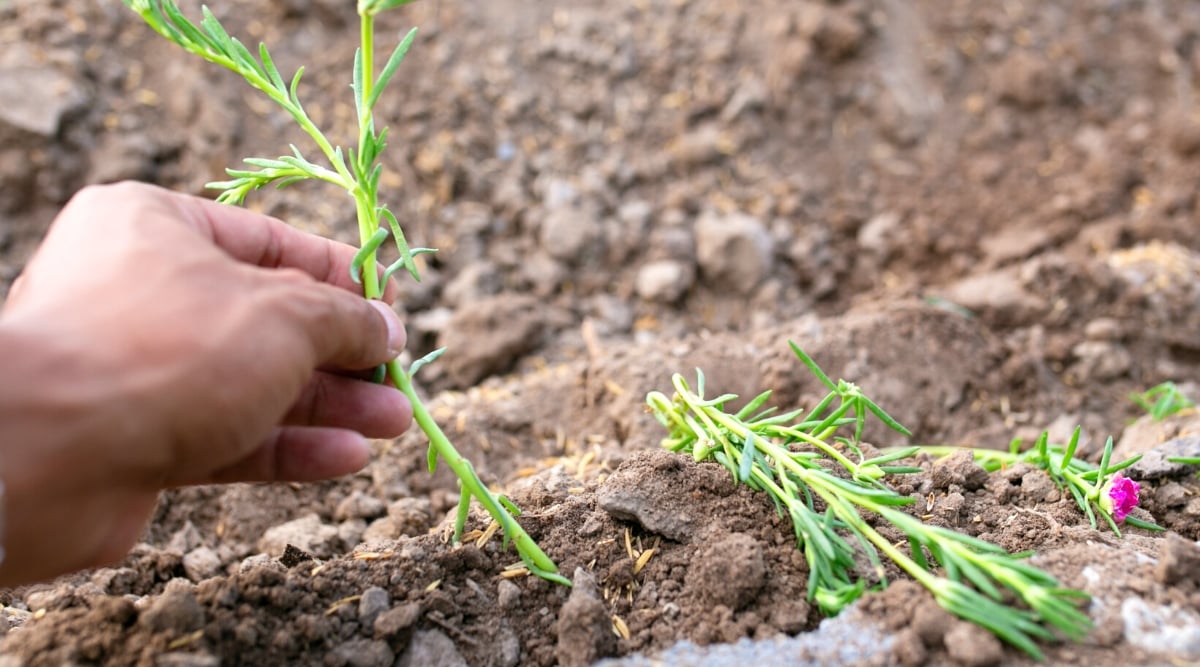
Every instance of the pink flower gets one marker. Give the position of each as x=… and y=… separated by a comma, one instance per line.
x=1119, y=497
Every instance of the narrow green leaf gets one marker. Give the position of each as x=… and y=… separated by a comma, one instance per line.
x=812, y=366
x=390, y=68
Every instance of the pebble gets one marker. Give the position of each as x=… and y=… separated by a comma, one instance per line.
x=382, y=529
x=37, y=98
x=972, y=646
x=431, y=648
x=374, y=601
x=306, y=533
x=566, y=233
x=734, y=251
x=359, y=505
x=664, y=281
x=364, y=653
x=508, y=594
x=201, y=563
x=998, y=294
x=177, y=612
x=186, y=659
x=396, y=620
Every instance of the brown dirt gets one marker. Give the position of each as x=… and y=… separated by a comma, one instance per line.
x=621, y=191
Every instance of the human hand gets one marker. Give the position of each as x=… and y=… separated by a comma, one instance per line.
x=157, y=340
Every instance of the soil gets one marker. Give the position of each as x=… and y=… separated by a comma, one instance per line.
x=985, y=214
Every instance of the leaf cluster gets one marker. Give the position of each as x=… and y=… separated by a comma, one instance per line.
x=1162, y=401
x=1082, y=480
x=793, y=456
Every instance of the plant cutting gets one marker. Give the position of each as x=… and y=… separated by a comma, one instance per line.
x=356, y=171
x=1103, y=489
x=794, y=457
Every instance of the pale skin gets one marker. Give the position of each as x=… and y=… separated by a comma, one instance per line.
x=157, y=340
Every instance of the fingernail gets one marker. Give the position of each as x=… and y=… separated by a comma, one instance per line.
x=397, y=337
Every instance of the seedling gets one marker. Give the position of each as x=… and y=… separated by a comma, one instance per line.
x=789, y=457
x=357, y=171
x=1162, y=401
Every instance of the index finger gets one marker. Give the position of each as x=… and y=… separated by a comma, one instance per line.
x=269, y=242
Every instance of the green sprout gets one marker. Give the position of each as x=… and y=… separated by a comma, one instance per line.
x=1102, y=490
x=357, y=171
x=791, y=457
x=1162, y=401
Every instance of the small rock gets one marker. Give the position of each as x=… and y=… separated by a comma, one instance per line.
x=394, y=622
x=708, y=577
x=1183, y=132
x=359, y=505
x=201, y=563
x=306, y=533
x=351, y=532
x=259, y=561
x=508, y=648
x=1103, y=329
x=839, y=35
x=568, y=233
x=734, y=251
x=1161, y=629
x=184, y=659
x=908, y=648
x=412, y=516
x=664, y=281
x=508, y=595
x=49, y=599
x=880, y=234
x=490, y=336
x=1101, y=361
x=998, y=294
x=958, y=468
x=431, y=648
x=185, y=539
x=380, y=530
x=374, y=601
x=584, y=627
x=475, y=281
x=177, y=612
x=1179, y=560
x=37, y=98
x=1026, y=80
x=972, y=646
x=364, y=653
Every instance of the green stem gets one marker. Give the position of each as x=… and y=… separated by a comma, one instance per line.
x=533, y=556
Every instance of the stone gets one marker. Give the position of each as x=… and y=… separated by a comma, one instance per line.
x=584, y=627
x=359, y=505
x=176, y=612
x=374, y=601
x=508, y=594
x=431, y=648
x=489, y=337
x=364, y=653
x=306, y=533
x=412, y=516
x=734, y=251
x=972, y=646
x=382, y=529
x=37, y=99
x=201, y=563
x=999, y=295
x=397, y=620
x=664, y=281
x=186, y=659
x=567, y=233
